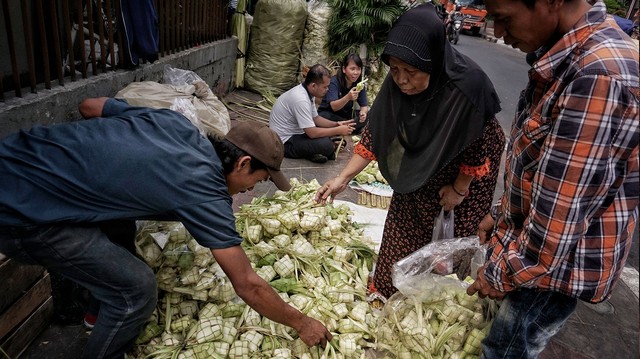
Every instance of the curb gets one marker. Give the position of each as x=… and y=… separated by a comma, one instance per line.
x=489, y=38
x=630, y=277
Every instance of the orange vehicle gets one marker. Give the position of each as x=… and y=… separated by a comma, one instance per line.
x=474, y=11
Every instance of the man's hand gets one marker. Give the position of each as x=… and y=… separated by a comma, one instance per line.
x=347, y=123
x=483, y=288
x=92, y=107
x=312, y=333
x=485, y=228
x=346, y=127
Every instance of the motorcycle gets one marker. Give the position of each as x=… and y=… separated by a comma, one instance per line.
x=453, y=31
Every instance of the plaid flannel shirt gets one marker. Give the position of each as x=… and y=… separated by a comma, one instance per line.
x=571, y=179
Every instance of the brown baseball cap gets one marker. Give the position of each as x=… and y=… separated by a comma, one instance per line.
x=261, y=143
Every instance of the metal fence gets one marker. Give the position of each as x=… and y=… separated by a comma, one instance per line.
x=47, y=43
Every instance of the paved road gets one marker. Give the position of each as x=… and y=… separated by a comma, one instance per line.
x=507, y=69
x=505, y=66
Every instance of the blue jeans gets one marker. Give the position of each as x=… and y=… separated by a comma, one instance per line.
x=525, y=322
x=123, y=284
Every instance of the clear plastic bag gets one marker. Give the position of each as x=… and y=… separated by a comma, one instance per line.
x=179, y=77
x=188, y=110
x=203, y=109
x=443, y=226
x=432, y=315
x=478, y=260
x=423, y=274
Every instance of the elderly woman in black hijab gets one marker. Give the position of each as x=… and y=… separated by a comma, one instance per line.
x=433, y=131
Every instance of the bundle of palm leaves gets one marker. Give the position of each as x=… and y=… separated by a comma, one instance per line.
x=240, y=30
x=274, y=45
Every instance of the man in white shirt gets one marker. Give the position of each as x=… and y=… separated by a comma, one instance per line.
x=294, y=117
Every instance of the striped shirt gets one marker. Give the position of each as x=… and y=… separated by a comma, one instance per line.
x=571, y=179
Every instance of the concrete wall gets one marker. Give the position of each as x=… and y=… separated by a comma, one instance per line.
x=214, y=63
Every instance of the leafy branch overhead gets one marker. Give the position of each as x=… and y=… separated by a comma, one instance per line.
x=355, y=22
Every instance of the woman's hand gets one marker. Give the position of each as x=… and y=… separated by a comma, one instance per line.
x=330, y=190
x=449, y=198
x=363, y=114
x=353, y=94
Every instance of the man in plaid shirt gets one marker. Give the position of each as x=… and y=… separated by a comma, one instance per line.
x=564, y=227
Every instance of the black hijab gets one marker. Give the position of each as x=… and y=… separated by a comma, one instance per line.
x=414, y=136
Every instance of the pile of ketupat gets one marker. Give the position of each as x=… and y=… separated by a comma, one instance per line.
x=446, y=323
x=316, y=258
x=370, y=174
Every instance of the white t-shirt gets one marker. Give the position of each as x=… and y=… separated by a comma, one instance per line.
x=293, y=111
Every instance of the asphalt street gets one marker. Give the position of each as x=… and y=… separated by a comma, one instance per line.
x=505, y=66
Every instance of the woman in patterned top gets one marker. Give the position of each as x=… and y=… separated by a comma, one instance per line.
x=338, y=104
x=433, y=131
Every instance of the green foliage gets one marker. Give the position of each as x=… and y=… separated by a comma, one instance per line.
x=355, y=22
x=615, y=7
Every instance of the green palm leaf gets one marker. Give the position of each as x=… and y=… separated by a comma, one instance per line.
x=355, y=22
